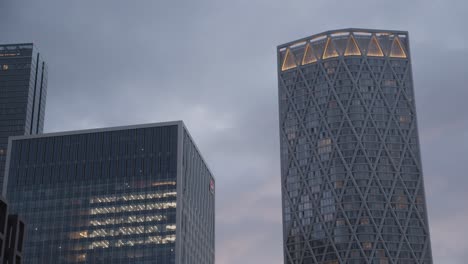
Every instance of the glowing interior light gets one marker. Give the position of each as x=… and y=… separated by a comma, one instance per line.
x=352, y=48
x=132, y=208
x=374, y=49
x=330, y=51
x=133, y=197
x=289, y=61
x=309, y=56
x=163, y=183
x=133, y=242
x=127, y=220
x=397, y=50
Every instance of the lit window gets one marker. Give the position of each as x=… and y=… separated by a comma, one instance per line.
x=352, y=48
x=289, y=61
x=340, y=222
x=405, y=119
x=367, y=245
x=396, y=50
x=339, y=184
x=324, y=146
x=364, y=221
x=330, y=51
x=5, y=67
x=309, y=56
x=374, y=48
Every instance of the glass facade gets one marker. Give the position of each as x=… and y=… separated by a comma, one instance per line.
x=112, y=195
x=23, y=90
x=352, y=184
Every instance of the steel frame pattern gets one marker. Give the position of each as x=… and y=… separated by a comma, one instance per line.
x=351, y=174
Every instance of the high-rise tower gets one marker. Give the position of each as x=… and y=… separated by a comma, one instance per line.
x=134, y=194
x=23, y=90
x=351, y=174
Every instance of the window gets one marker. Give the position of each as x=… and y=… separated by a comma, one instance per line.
x=339, y=184
x=324, y=146
x=367, y=245
x=5, y=67
x=364, y=221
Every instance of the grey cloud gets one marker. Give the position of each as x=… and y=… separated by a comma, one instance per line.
x=213, y=64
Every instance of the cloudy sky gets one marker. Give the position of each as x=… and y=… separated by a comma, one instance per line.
x=212, y=63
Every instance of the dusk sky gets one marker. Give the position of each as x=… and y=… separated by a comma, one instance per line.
x=212, y=64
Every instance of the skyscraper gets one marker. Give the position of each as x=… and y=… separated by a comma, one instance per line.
x=351, y=173
x=23, y=90
x=135, y=194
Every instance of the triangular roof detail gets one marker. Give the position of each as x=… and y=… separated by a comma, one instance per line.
x=309, y=56
x=374, y=48
x=352, y=48
x=397, y=50
x=289, y=61
x=318, y=47
x=330, y=50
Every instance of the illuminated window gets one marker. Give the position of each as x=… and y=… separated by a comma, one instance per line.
x=324, y=146
x=340, y=222
x=324, y=142
x=163, y=183
x=402, y=202
x=397, y=50
x=364, y=221
x=405, y=119
x=330, y=51
x=5, y=67
x=78, y=235
x=80, y=257
x=2, y=152
x=289, y=61
x=339, y=184
x=309, y=56
x=374, y=48
x=352, y=48
x=367, y=245
x=171, y=227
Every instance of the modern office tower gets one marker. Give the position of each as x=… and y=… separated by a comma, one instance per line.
x=352, y=183
x=135, y=194
x=23, y=89
x=11, y=236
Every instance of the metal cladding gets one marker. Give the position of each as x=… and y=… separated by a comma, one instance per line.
x=351, y=173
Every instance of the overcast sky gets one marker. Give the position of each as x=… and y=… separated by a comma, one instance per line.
x=212, y=64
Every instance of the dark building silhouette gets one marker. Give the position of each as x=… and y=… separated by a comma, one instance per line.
x=12, y=231
x=135, y=194
x=23, y=90
x=352, y=182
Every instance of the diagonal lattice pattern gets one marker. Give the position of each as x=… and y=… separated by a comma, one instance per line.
x=352, y=182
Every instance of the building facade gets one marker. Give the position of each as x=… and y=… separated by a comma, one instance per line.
x=12, y=230
x=137, y=194
x=351, y=173
x=23, y=90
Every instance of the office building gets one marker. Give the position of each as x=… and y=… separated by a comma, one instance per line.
x=135, y=194
x=23, y=89
x=351, y=173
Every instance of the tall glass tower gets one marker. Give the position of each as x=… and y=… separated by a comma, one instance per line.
x=351, y=173
x=23, y=90
x=123, y=195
